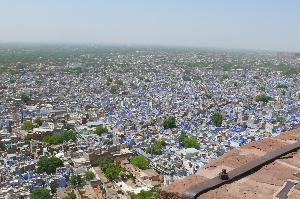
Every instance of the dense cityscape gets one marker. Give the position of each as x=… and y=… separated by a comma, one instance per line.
x=124, y=122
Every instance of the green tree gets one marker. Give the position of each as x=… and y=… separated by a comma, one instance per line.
x=49, y=164
x=27, y=125
x=169, y=123
x=25, y=98
x=182, y=136
x=140, y=161
x=103, y=162
x=39, y=193
x=109, y=168
x=75, y=180
x=89, y=175
x=60, y=137
x=113, y=171
x=189, y=142
x=217, y=119
x=263, y=98
x=156, y=147
x=100, y=130
x=119, y=82
x=151, y=194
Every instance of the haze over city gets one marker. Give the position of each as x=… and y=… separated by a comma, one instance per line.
x=255, y=24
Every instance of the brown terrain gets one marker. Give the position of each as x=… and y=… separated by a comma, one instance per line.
x=279, y=178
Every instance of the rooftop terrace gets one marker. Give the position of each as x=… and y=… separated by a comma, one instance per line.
x=263, y=169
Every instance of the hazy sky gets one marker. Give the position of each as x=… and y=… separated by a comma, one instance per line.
x=249, y=24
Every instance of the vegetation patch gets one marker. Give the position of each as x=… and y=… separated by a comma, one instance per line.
x=189, y=142
x=217, y=119
x=60, y=138
x=49, y=164
x=156, y=147
x=263, y=98
x=140, y=161
x=169, y=123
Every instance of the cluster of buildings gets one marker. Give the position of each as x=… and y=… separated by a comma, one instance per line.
x=131, y=94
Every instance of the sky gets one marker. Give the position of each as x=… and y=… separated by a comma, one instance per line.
x=241, y=24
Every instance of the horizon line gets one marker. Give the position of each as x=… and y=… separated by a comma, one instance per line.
x=51, y=43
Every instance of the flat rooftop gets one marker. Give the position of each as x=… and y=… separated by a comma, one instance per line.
x=277, y=178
